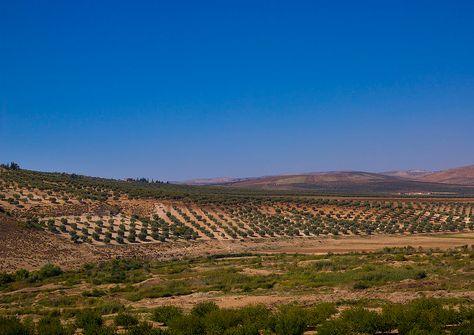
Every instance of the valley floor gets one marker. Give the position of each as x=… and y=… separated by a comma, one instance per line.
x=377, y=281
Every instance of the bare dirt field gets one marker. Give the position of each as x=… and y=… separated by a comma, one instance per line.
x=371, y=243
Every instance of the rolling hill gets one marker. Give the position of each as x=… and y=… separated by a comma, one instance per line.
x=408, y=174
x=457, y=181
x=459, y=176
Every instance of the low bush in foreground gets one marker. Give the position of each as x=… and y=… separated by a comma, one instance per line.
x=165, y=314
x=423, y=316
x=125, y=320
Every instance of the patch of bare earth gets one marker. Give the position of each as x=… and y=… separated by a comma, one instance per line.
x=369, y=243
x=30, y=248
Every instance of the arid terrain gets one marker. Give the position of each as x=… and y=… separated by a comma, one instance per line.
x=133, y=249
x=451, y=181
x=236, y=167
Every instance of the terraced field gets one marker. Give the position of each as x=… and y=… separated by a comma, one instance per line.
x=92, y=211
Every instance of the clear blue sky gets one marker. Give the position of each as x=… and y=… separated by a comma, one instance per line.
x=176, y=90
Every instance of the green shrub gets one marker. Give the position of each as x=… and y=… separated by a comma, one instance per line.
x=334, y=327
x=34, y=277
x=167, y=289
x=94, y=293
x=423, y=315
x=420, y=275
x=22, y=274
x=217, y=321
x=144, y=329
x=207, y=318
x=320, y=313
x=242, y=330
x=229, y=279
x=100, y=330
x=50, y=325
x=49, y=270
x=13, y=326
x=290, y=320
x=109, y=307
x=360, y=320
x=89, y=319
x=165, y=314
x=125, y=320
x=6, y=278
x=203, y=308
x=187, y=325
x=360, y=286
x=258, y=315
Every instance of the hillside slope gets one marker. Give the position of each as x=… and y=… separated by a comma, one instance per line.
x=408, y=174
x=76, y=219
x=350, y=181
x=460, y=176
x=25, y=248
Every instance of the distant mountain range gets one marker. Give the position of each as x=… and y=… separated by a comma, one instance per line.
x=213, y=181
x=460, y=176
x=457, y=180
x=408, y=174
